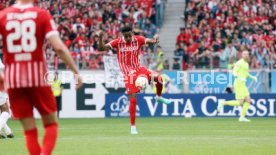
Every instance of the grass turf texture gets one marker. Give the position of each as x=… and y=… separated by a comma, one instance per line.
x=168, y=136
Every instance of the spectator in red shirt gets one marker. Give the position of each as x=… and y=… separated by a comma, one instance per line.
x=180, y=37
x=67, y=41
x=146, y=5
x=87, y=21
x=81, y=39
x=220, y=21
x=70, y=11
x=192, y=47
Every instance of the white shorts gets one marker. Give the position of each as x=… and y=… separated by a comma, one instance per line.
x=3, y=98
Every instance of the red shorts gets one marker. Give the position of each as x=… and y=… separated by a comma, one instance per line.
x=24, y=100
x=130, y=79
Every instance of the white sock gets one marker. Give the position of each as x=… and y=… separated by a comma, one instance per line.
x=7, y=129
x=133, y=126
x=3, y=119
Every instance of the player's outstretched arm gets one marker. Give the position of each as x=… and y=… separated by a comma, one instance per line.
x=102, y=46
x=153, y=40
x=63, y=52
x=252, y=77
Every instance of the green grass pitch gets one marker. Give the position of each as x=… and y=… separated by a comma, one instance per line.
x=157, y=136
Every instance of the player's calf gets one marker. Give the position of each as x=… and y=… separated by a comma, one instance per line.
x=50, y=134
x=158, y=84
x=229, y=103
x=245, y=108
x=132, y=112
x=159, y=87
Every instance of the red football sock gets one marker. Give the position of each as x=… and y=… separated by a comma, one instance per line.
x=31, y=138
x=132, y=110
x=50, y=137
x=159, y=85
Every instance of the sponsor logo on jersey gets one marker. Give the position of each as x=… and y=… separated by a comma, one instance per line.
x=130, y=48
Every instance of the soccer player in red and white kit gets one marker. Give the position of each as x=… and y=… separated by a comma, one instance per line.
x=4, y=108
x=128, y=50
x=23, y=29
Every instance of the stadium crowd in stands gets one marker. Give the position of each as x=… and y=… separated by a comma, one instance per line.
x=214, y=34
x=79, y=21
x=216, y=31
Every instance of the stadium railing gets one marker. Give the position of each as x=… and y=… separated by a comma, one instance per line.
x=162, y=63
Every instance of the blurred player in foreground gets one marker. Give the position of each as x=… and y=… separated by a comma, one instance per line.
x=5, y=114
x=241, y=73
x=128, y=50
x=24, y=28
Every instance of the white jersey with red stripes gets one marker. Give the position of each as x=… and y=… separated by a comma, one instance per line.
x=128, y=53
x=23, y=29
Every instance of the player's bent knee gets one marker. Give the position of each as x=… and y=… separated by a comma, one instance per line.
x=158, y=78
x=241, y=102
x=248, y=100
x=28, y=123
x=49, y=119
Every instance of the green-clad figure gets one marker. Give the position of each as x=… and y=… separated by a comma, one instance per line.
x=241, y=73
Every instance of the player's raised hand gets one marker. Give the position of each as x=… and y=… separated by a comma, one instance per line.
x=101, y=34
x=254, y=78
x=156, y=37
x=78, y=81
x=153, y=41
x=102, y=46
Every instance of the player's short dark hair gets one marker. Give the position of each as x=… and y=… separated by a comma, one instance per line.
x=126, y=29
